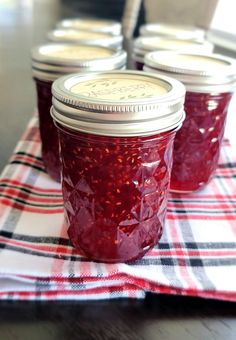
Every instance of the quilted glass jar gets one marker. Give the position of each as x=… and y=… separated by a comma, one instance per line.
x=210, y=82
x=144, y=45
x=76, y=36
x=50, y=62
x=94, y=25
x=116, y=133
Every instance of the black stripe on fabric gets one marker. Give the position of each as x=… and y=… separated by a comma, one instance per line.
x=225, y=176
x=187, y=262
x=161, y=246
x=29, y=191
x=24, y=202
x=205, y=200
x=35, y=239
x=227, y=165
x=197, y=245
x=175, y=262
x=205, y=212
x=28, y=155
x=28, y=164
x=41, y=254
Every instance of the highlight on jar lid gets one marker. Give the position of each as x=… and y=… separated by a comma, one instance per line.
x=96, y=25
x=50, y=61
x=118, y=103
x=184, y=32
x=143, y=45
x=198, y=72
x=82, y=36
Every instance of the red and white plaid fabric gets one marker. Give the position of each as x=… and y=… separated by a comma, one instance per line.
x=196, y=255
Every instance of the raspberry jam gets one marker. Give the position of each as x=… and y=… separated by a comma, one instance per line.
x=116, y=152
x=210, y=81
x=48, y=131
x=49, y=62
x=115, y=192
x=197, y=144
x=138, y=65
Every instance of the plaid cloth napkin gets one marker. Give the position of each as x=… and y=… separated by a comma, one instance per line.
x=196, y=255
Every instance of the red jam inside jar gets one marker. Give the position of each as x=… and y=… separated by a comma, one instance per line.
x=48, y=131
x=115, y=192
x=49, y=63
x=210, y=80
x=138, y=65
x=197, y=143
x=116, y=135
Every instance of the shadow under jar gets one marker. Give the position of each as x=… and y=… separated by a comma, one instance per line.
x=210, y=81
x=144, y=45
x=116, y=133
x=51, y=61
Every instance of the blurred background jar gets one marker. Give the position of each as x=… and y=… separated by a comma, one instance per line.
x=95, y=25
x=210, y=82
x=82, y=36
x=172, y=31
x=51, y=61
x=116, y=163
x=143, y=45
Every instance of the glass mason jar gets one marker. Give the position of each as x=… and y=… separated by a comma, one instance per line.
x=144, y=45
x=172, y=31
x=210, y=82
x=51, y=61
x=94, y=25
x=75, y=36
x=116, y=133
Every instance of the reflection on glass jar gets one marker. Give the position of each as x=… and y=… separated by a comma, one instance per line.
x=210, y=81
x=116, y=163
x=50, y=62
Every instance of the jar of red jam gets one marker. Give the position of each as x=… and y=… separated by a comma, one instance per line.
x=116, y=133
x=172, y=31
x=76, y=36
x=50, y=62
x=144, y=45
x=90, y=24
x=210, y=82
